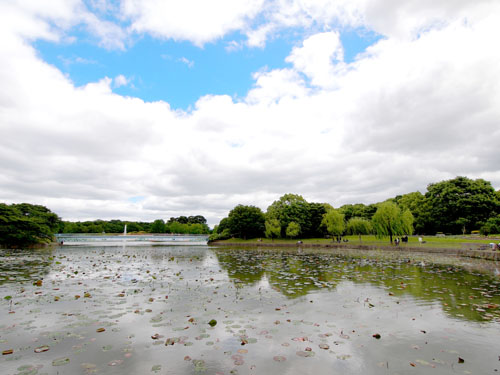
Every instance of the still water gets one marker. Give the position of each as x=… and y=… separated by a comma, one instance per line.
x=201, y=310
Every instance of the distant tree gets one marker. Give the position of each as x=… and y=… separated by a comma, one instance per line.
x=389, y=221
x=182, y=220
x=461, y=202
x=334, y=222
x=246, y=222
x=198, y=219
x=273, y=229
x=359, y=226
x=158, y=226
x=292, y=230
x=132, y=226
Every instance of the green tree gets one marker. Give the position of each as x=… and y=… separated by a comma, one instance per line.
x=461, y=202
x=417, y=204
x=389, y=221
x=290, y=207
x=273, y=229
x=158, y=226
x=359, y=226
x=334, y=222
x=315, y=217
x=292, y=230
x=491, y=226
x=26, y=224
x=223, y=225
x=246, y=222
x=198, y=219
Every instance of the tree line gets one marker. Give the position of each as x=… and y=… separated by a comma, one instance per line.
x=457, y=206
x=26, y=224
x=180, y=225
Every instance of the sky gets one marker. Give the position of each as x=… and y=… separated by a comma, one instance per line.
x=148, y=109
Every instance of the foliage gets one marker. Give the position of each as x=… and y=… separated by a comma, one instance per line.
x=461, y=202
x=492, y=226
x=117, y=226
x=315, y=212
x=334, y=222
x=224, y=235
x=292, y=230
x=294, y=208
x=273, y=228
x=417, y=204
x=223, y=225
x=180, y=228
x=389, y=221
x=359, y=226
x=246, y=222
x=448, y=206
x=358, y=210
x=26, y=224
x=290, y=207
x=158, y=226
x=102, y=226
x=198, y=219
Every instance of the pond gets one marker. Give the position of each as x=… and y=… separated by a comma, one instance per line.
x=204, y=310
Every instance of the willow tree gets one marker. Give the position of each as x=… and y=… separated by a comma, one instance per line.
x=359, y=226
x=293, y=229
x=389, y=221
x=334, y=222
x=273, y=228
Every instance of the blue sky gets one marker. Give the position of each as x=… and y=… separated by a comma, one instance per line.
x=180, y=72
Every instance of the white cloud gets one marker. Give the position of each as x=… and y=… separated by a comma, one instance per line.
x=53, y=20
x=320, y=58
x=120, y=80
x=410, y=111
x=186, y=61
x=197, y=21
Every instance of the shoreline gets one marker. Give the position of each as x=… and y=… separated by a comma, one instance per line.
x=466, y=253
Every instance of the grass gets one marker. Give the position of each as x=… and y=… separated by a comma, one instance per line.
x=458, y=241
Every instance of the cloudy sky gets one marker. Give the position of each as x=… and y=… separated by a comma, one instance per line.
x=146, y=109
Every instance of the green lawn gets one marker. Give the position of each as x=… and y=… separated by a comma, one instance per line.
x=467, y=241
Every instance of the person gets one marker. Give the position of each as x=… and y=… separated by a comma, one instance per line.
x=420, y=240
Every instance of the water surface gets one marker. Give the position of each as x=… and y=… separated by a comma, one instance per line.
x=146, y=310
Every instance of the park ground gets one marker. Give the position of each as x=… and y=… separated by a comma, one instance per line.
x=467, y=246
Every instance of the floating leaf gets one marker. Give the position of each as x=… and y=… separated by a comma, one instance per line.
x=305, y=354
x=60, y=361
x=42, y=349
x=156, y=368
x=212, y=322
